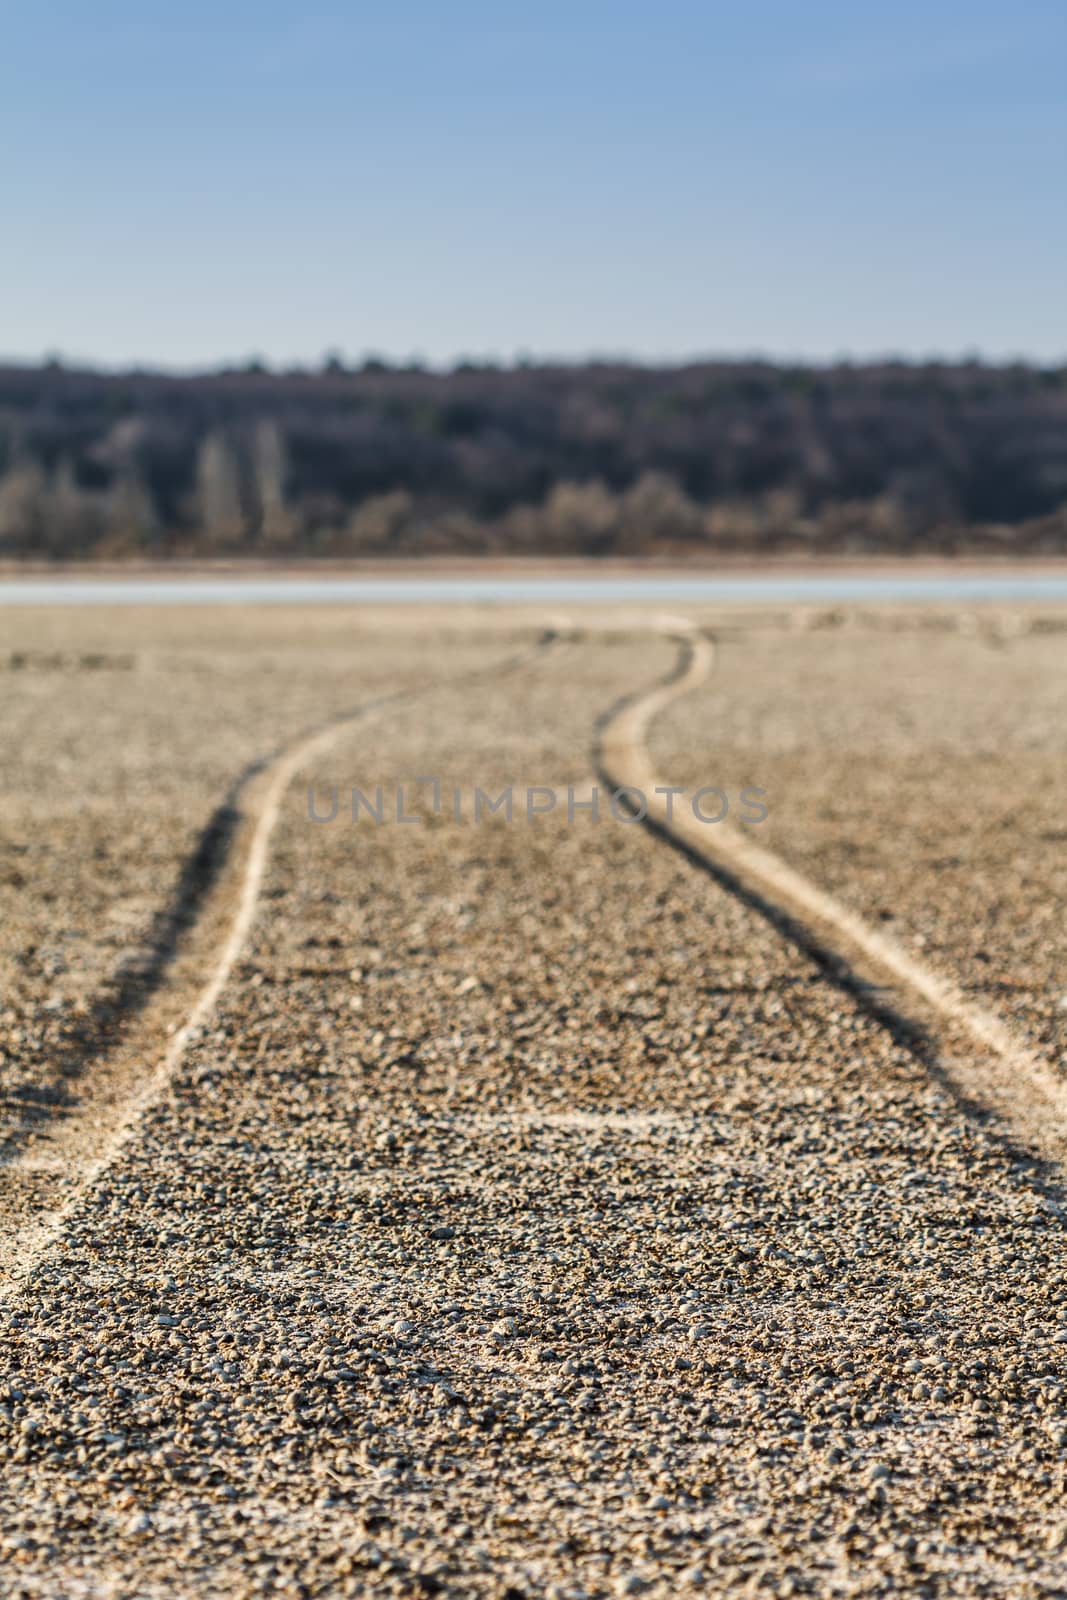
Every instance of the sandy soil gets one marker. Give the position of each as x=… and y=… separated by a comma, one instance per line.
x=532, y=1216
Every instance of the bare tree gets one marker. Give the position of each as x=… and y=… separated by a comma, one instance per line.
x=23, y=505
x=656, y=511
x=218, y=485
x=132, y=519
x=379, y=523
x=74, y=517
x=582, y=517
x=276, y=525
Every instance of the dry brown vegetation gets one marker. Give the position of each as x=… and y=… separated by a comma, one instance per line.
x=587, y=460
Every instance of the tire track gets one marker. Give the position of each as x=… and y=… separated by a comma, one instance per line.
x=86, y=1138
x=964, y=1044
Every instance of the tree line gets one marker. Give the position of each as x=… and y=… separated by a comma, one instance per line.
x=590, y=460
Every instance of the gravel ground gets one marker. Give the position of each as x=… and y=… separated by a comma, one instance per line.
x=534, y=1220
x=915, y=766
x=124, y=732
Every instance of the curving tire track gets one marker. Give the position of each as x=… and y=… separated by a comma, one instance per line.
x=965, y=1044
x=85, y=1140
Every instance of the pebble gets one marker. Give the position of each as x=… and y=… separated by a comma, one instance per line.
x=739, y=1298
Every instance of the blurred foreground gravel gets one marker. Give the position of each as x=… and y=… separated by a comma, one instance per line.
x=533, y=1220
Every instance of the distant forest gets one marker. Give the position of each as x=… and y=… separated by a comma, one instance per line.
x=591, y=460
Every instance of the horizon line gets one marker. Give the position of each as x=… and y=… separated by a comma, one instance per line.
x=335, y=361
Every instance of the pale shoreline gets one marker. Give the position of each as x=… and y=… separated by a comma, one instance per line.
x=523, y=567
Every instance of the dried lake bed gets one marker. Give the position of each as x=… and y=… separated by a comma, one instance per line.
x=543, y=1207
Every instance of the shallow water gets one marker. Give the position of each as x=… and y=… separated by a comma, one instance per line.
x=677, y=588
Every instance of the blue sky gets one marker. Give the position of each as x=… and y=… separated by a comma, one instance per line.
x=183, y=185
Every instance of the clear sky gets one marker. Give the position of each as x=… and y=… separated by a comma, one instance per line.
x=187, y=184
